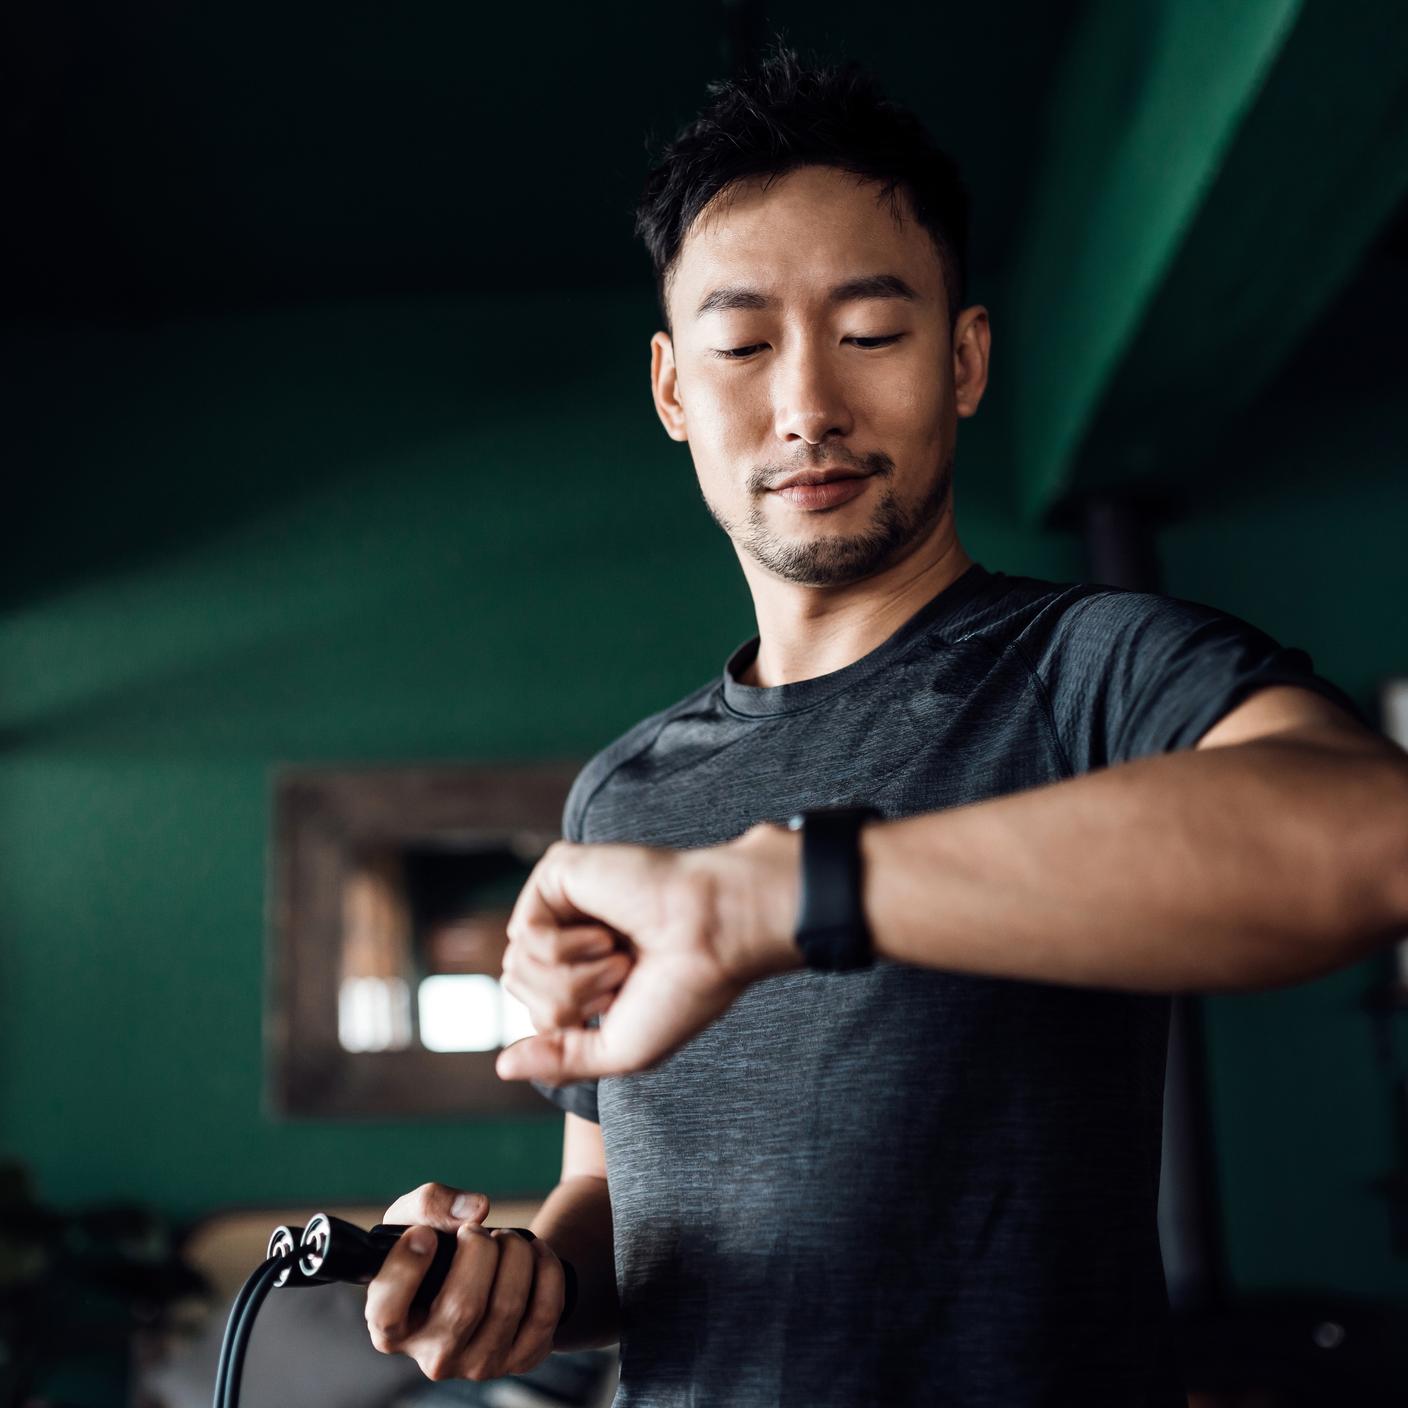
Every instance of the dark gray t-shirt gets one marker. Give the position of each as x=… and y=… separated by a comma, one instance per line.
x=904, y=1186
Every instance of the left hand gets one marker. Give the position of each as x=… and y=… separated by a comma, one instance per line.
x=659, y=942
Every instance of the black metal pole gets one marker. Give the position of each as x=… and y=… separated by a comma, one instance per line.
x=1122, y=551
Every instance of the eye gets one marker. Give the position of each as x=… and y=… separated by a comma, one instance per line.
x=868, y=344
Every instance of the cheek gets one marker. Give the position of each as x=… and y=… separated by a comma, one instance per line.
x=728, y=424
x=719, y=470
x=730, y=404
x=909, y=404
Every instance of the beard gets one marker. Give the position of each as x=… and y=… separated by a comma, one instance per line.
x=839, y=560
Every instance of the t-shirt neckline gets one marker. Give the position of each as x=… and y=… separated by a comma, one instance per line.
x=758, y=701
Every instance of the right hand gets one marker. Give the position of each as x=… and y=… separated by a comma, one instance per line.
x=498, y=1310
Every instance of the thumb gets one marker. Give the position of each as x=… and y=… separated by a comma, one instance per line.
x=557, y=1058
x=438, y=1205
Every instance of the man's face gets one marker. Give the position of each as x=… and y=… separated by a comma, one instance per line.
x=777, y=368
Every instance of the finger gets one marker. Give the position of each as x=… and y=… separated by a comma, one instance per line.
x=556, y=1057
x=573, y=942
x=557, y=996
x=390, y=1321
x=570, y=943
x=459, y=1306
x=438, y=1205
x=533, y=1342
x=533, y=905
x=600, y=1004
x=485, y=1354
x=537, y=967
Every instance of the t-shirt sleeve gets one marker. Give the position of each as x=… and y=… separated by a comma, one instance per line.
x=579, y=1098
x=1131, y=674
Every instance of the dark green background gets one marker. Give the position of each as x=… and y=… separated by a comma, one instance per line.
x=326, y=407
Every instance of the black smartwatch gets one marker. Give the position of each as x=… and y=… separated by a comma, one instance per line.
x=831, y=928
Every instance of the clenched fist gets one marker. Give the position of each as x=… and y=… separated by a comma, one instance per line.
x=498, y=1310
x=655, y=942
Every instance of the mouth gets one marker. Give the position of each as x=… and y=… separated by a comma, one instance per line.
x=825, y=475
x=822, y=488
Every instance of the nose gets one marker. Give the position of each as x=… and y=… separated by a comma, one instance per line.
x=809, y=400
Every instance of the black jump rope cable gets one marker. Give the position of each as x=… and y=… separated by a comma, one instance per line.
x=329, y=1250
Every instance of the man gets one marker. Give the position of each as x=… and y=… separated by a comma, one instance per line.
x=932, y=1178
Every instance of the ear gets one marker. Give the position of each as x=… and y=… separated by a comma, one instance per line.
x=971, y=340
x=665, y=387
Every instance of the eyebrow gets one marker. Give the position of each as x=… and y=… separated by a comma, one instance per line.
x=733, y=296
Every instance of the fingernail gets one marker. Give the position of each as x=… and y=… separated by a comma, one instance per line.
x=421, y=1240
x=466, y=1205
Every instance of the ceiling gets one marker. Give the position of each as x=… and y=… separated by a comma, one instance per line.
x=167, y=158
x=165, y=161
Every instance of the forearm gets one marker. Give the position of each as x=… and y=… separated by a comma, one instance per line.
x=575, y=1221
x=1233, y=865
x=1224, y=868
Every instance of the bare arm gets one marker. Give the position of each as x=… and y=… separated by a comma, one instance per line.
x=1274, y=852
x=575, y=1221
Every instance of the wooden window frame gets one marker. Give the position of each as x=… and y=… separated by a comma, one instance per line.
x=322, y=817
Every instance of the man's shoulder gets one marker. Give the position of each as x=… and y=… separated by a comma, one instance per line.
x=635, y=741
x=1034, y=609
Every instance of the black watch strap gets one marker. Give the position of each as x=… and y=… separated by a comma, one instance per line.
x=831, y=928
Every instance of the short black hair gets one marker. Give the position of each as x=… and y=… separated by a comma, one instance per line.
x=785, y=113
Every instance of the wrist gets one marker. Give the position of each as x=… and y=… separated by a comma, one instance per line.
x=758, y=892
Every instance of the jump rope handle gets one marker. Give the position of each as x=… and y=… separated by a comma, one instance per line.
x=334, y=1250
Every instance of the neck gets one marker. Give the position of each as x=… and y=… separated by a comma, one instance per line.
x=807, y=631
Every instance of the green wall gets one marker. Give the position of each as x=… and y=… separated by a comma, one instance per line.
x=407, y=532
x=391, y=532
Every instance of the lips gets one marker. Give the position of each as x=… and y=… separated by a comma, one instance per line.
x=819, y=490
x=818, y=476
